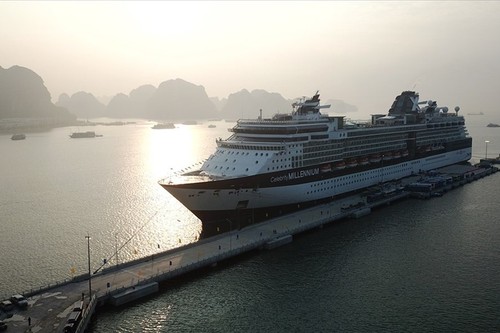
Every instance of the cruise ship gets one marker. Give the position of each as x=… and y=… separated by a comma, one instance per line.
x=269, y=167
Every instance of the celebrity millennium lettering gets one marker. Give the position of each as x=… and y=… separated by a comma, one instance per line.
x=270, y=167
x=295, y=174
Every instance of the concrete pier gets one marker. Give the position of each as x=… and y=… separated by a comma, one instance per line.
x=49, y=309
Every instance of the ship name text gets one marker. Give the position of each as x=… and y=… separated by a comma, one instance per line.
x=295, y=175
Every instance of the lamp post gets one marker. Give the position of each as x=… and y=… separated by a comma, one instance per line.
x=486, y=154
x=230, y=230
x=88, y=255
x=116, y=250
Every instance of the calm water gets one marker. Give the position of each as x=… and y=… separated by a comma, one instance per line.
x=414, y=266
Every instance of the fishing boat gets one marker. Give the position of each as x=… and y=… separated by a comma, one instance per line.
x=18, y=137
x=80, y=135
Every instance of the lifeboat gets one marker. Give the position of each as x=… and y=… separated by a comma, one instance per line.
x=351, y=163
x=437, y=147
x=387, y=156
x=364, y=161
x=405, y=153
x=375, y=158
x=340, y=165
x=396, y=154
x=326, y=168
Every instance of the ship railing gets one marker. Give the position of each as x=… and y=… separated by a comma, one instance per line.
x=280, y=122
x=36, y=290
x=210, y=259
x=239, y=145
x=87, y=315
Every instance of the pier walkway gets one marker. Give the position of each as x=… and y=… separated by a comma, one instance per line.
x=49, y=310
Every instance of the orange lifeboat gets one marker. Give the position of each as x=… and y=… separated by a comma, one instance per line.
x=326, y=168
x=340, y=165
x=351, y=163
x=375, y=158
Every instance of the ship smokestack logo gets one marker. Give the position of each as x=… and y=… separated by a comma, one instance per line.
x=414, y=100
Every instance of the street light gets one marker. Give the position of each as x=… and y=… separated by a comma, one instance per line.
x=116, y=250
x=486, y=154
x=230, y=229
x=90, y=276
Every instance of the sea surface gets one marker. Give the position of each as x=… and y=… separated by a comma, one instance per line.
x=414, y=266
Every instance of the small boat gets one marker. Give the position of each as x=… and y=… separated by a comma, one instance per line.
x=79, y=135
x=492, y=125
x=18, y=137
x=163, y=126
x=211, y=126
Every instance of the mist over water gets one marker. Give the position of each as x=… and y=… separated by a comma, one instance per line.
x=416, y=265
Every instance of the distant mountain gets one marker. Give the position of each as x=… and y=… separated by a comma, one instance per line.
x=245, y=104
x=24, y=95
x=120, y=107
x=218, y=103
x=133, y=105
x=180, y=100
x=82, y=104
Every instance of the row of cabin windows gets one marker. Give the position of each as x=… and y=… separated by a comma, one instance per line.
x=369, y=140
x=441, y=134
x=355, y=144
x=324, y=157
x=370, y=176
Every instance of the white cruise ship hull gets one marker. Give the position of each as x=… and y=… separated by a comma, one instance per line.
x=213, y=203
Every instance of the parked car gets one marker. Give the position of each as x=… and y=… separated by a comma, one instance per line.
x=20, y=301
x=6, y=306
x=74, y=317
x=78, y=306
x=69, y=328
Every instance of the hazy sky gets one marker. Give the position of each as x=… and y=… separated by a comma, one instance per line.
x=363, y=52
